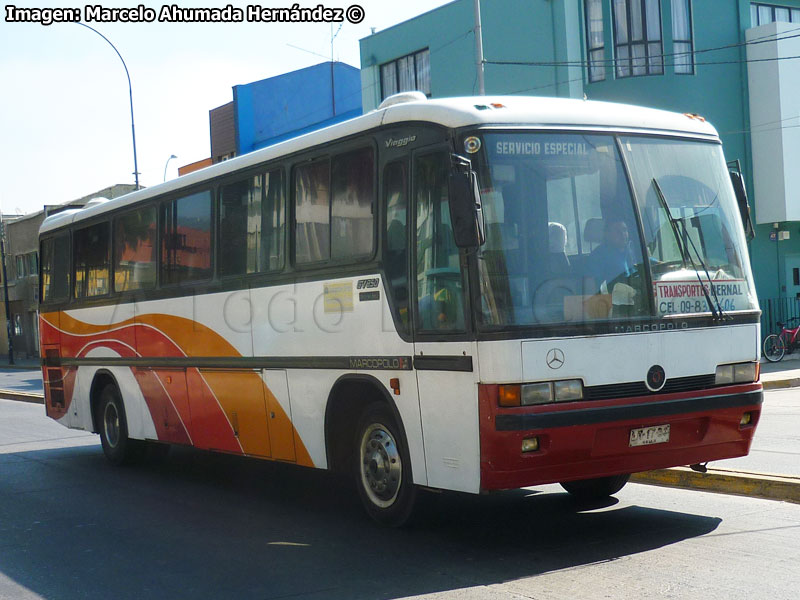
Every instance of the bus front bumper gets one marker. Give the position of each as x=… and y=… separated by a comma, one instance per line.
x=583, y=440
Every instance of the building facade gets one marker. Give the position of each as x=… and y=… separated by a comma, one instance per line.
x=727, y=60
x=21, y=237
x=271, y=110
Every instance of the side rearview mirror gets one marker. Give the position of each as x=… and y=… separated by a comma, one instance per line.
x=744, y=207
x=466, y=213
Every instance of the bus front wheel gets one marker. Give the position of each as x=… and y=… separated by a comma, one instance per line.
x=595, y=489
x=383, y=468
x=113, y=427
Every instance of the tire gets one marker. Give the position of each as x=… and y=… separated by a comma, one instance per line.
x=774, y=348
x=113, y=426
x=596, y=489
x=383, y=468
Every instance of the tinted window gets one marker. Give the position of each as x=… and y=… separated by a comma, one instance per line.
x=312, y=212
x=92, y=260
x=252, y=222
x=273, y=222
x=135, y=250
x=439, y=287
x=239, y=220
x=351, y=211
x=55, y=268
x=395, y=259
x=186, y=239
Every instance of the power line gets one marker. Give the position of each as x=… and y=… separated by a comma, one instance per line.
x=614, y=61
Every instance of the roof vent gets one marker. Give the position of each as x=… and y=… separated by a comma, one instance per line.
x=402, y=98
x=95, y=202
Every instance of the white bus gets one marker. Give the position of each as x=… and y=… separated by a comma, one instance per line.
x=465, y=294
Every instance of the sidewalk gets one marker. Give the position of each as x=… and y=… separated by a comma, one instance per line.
x=29, y=364
x=783, y=374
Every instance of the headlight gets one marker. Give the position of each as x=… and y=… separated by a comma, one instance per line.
x=536, y=393
x=545, y=392
x=746, y=372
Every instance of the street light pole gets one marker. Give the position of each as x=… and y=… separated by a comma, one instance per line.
x=171, y=156
x=9, y=328
x=130, y=95
x=479, y=48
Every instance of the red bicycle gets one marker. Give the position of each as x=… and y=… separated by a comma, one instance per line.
x=776, y=345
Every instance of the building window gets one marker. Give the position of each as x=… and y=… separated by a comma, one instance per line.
x=761, y=14
x=682, y=36
x=595, y=45
x=637, y=35
x=406, y=74
x=21, y=265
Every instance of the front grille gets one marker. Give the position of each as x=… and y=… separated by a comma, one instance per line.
x=638, y=388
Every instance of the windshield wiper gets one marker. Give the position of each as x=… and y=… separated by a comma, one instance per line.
x=716, y=313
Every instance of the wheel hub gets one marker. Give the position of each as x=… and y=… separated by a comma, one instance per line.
x=381, y=467
x=111, y=424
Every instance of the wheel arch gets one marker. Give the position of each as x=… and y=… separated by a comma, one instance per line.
x=349, y=396
x=101, y=379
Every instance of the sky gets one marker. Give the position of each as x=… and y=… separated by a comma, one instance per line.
x=65, y=122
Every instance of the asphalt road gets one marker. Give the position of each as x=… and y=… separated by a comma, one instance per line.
x=209, y=526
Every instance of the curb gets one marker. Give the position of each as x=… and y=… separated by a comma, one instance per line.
x=738, y=483
x=22, y=397
x=780, y=384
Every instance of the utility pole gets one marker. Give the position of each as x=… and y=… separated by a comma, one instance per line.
x=479, y=48
x=9, y=328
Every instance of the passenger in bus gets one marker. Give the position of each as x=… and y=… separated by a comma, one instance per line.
x=557, y=245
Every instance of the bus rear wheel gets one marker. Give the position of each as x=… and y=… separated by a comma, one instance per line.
x=383, y=468
x=113, y=427
x=596, y=489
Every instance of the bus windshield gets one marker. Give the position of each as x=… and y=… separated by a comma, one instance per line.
x=564, y=241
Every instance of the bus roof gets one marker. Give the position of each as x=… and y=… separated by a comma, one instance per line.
x=544, y=113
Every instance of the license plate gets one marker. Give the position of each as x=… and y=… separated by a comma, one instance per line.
x=658, y=434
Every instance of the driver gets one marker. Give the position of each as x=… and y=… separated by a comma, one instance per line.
x=612, y=259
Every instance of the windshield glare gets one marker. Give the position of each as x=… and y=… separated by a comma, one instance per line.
x=563, y=241
x=696, y=188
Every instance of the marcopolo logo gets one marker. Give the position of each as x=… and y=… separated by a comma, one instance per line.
x=380, y=363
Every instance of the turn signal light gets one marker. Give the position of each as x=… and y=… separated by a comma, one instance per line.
x=509, y=395
x=747, y=418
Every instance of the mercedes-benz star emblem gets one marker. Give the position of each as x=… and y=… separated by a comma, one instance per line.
x=555, y=358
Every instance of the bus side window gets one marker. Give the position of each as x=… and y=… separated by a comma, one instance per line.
x=312, y=212
x=55, y=268
x=186, y=239
x=92, y=253
x=239, y=211
x=439, y=290
x=273, y=222
x=353, y=195
x=395, y=257
x=135, y=250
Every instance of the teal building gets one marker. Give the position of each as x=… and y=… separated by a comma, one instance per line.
x=730, y=61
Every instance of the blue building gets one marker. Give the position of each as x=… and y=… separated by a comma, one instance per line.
x=288, y=105
x=727, y=60
x=272, y=110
